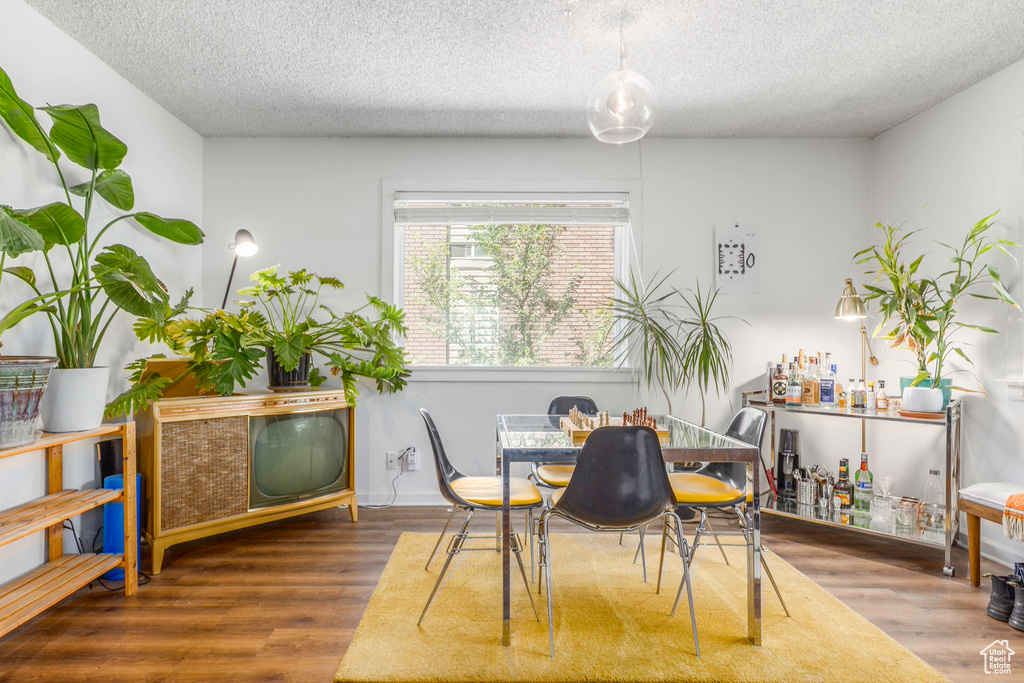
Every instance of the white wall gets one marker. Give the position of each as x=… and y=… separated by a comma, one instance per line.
x=165, y=162
x=317, y=204
x=943, y=170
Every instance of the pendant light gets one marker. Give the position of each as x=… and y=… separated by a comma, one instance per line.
x=620, y=108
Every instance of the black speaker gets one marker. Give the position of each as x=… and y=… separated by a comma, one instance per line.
x=111, y=457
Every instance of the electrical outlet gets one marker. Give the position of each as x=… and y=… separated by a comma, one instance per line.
x=412, y=460
x=392, y=460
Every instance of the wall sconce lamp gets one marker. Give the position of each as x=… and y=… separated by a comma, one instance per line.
x=851, y=307
x=244, y=246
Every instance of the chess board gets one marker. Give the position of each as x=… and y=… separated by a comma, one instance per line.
x=580, y=434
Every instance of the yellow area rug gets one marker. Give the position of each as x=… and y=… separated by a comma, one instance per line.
x=609, y=625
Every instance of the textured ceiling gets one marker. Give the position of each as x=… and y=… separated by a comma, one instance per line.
x=511, y=68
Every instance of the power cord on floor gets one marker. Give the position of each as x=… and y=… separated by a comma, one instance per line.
x=116, y=586
x=394, y=488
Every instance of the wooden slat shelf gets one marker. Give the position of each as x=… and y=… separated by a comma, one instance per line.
x=47, y=439
x=26, y=597
x=62, y=575
x=43, y=513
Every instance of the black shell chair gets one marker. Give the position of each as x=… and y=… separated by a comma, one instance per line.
x=557, y=476
x=620, y=484
x=470, y=494
x=724, y=486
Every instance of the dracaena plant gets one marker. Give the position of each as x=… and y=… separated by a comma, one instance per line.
x=282, y=313
x=920, y=313
x=102, y=279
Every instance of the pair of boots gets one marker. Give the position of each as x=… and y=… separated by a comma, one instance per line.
x=1007, y=600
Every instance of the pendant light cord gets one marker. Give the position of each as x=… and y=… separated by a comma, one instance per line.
x=622, y=42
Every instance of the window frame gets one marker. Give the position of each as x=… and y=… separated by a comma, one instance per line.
x=393, y=261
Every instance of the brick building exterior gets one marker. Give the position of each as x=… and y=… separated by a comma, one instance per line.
x=584, y=251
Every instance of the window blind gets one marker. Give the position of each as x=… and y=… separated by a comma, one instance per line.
x=490, y=208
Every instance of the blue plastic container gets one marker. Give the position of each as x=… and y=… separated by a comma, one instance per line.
x=113, y=523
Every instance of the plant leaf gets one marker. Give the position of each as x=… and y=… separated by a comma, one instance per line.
x=129, y=282
x=17, y=236
x=57, y=223
x=23, y=273
x=175, y=229
x=78, y=132
x=115, y=186
x=21, y=117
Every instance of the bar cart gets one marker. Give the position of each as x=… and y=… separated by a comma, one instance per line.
x=943, y=538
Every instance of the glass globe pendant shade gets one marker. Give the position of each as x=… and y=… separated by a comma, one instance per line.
x=621, y=106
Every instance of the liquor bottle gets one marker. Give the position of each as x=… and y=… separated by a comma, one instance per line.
x=779, y=382
x=769, y=373
x=828, y=397
x=794, y=390
x=857, y=396
x=812, y=388
x=870, y=397
x=934, y=503
x=864, y=487
x=882, y=399
x=842, y=494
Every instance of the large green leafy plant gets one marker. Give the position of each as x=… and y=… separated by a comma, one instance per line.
x=282, y=313
x=920, y=313
x=103, y=280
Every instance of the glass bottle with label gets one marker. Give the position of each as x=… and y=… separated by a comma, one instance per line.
x=869, y=398
x=842, y=494
x=794, y=389
x=864, y=487
x=857, y=396
x=779, y=382
x=827, y=397
x=882, y=398
x=812, y=386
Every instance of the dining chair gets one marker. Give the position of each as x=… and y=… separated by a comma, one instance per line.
x=470, y=494
x=620, y=484
x=723, y=486
x=557, y=476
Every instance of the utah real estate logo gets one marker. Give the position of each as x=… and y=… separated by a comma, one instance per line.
x=997, y=657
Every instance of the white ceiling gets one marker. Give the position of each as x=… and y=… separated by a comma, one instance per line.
x=517, y=68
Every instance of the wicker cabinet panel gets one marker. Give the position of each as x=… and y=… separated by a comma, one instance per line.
x=204, y=471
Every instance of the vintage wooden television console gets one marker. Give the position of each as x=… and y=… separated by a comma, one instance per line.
x=212, y=464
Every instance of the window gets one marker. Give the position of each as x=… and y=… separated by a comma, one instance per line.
x=509, y=279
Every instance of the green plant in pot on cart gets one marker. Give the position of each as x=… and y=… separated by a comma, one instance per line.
x=284, y=323
x=87, y=283
x=921, y=313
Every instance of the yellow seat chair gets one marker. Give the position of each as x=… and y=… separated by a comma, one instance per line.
x=723, y=486
x=470, y=494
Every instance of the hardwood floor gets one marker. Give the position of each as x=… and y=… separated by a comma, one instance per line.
x=280, y=603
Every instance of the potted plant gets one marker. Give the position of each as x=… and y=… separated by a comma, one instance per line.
x=23, y=379
x=675, y=336
x=103, y=279
x=284, y=323
x=920, y=313
x=707, y=353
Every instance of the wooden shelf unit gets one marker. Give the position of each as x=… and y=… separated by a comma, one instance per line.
x=62, y=575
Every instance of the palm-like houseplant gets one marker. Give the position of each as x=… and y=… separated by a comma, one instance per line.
x=103, y=279
x=675, y=336
x=707, y=352
x=283, y=322
x=920, y=313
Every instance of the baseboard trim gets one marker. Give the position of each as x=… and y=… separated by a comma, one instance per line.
x=403, y=499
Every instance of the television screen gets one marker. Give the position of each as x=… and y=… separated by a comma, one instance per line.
x=294, y=457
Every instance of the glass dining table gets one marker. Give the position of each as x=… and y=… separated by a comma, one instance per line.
x=540, y=439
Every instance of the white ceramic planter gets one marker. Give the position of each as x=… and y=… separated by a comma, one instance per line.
x=922, y=400
x=74, y=399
